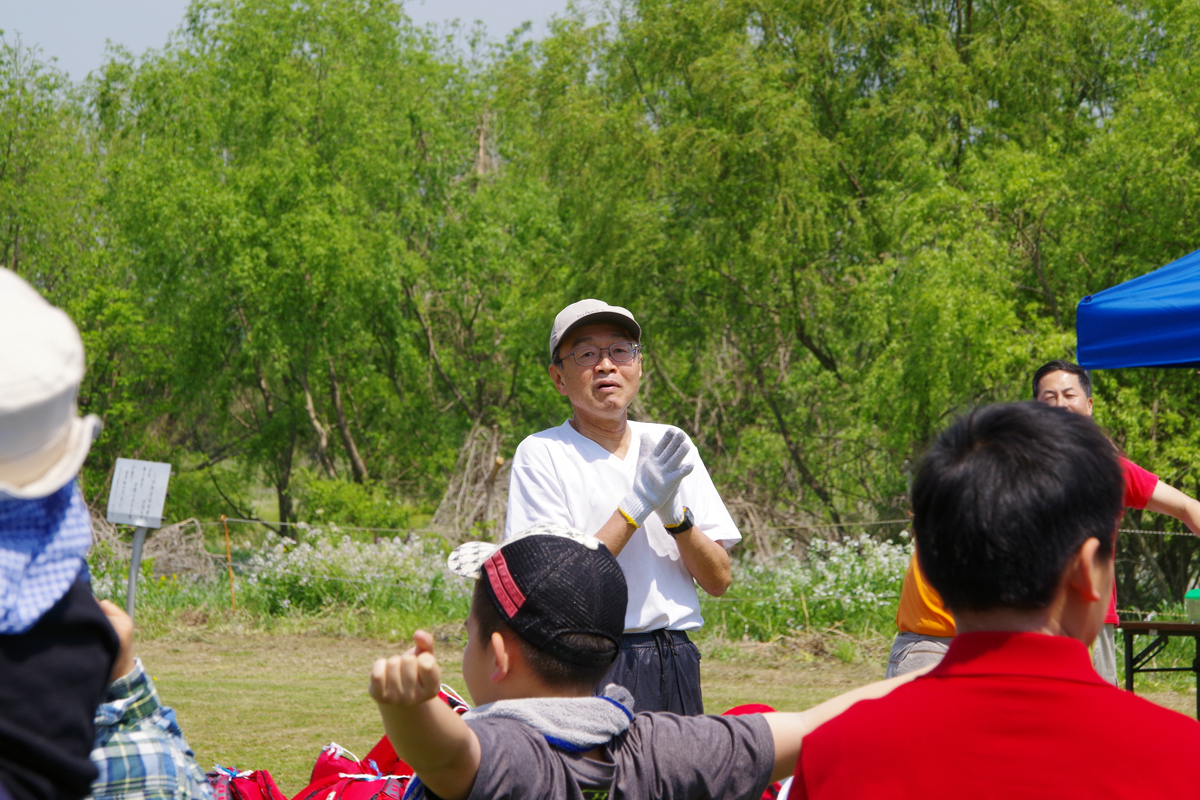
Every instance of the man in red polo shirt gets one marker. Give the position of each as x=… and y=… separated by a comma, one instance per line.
x=925, y=627
x=1015, y=511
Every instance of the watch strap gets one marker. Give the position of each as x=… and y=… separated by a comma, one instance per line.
x=686, y=524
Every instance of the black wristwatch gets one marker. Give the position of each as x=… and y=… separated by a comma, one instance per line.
x=687, y=523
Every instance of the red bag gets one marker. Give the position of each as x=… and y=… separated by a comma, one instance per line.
x=339, y=775
x=356, y=787
x=383, y=757
x=229, y=784
x=335, y=760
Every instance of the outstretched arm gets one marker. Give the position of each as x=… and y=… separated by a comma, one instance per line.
x=789, y=729
x=441, y=748
x=1166, y=499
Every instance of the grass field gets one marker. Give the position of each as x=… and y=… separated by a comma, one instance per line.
x=272, y=701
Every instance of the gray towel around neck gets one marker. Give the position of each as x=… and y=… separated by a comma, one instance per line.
x=574, y=724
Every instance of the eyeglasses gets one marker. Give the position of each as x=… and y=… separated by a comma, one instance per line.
x=589, y=354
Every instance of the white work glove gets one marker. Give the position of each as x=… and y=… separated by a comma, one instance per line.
x=660, y=468
x=672, y=512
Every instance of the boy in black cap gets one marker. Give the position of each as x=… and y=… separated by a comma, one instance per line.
x=545, y=624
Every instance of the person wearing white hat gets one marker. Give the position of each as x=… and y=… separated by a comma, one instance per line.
x=641, y=488
x=57, y=648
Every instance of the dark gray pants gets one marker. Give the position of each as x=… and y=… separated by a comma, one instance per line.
x=661, y=669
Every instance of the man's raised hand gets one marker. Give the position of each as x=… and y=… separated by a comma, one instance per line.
x=409, y=679
x=660, y=469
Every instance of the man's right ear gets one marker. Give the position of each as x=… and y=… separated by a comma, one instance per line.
x=556, y=375
x=1087, y=574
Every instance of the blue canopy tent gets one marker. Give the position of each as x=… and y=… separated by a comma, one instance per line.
x=1150, y=321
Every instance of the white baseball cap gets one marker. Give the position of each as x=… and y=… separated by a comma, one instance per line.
x=43, y=440
x=587, y=312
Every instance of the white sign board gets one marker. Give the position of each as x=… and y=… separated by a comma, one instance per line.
x=139, y=490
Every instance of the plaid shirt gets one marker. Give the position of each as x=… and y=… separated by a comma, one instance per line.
x=139, y=750
x=42, y=546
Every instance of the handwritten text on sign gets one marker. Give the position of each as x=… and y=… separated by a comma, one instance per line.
x=139, y=490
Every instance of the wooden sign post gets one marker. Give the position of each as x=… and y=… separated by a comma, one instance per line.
x=139, y=491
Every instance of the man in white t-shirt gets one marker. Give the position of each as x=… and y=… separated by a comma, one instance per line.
x=601, y=473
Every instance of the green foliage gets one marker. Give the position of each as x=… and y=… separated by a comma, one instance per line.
x=311, y=246
x=353, y=504
x=398, y=584
x=327, y=581
x=850, y=586
x=160, y=601
x=207, y=494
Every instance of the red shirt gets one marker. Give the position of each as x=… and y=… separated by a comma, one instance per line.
x=1005, y=715
x=1139, y=485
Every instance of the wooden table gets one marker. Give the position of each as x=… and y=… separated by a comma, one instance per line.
x=1161, y=632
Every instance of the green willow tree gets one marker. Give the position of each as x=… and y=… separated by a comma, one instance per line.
x=305, y=194
x=316, y=248
x=850, y=221
x=783, y=188
x=54, y=233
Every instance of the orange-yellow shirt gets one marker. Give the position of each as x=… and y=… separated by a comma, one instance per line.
x=921, y=609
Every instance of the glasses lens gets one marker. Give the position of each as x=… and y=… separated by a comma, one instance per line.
x=622, y=351
x=587, y=356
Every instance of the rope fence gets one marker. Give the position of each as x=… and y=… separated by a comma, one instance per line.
x=307, y=525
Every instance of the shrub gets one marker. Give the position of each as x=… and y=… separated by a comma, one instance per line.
x=853, y=584
x=328, y=568
x=389, y=587
x=368, y=505
x=327, y=581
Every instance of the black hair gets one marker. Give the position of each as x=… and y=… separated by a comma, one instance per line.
x=1006, y=497
x=1058, y=365
x=553, y=671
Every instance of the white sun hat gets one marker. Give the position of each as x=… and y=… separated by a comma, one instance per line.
x=587, y=312
x=43, y=440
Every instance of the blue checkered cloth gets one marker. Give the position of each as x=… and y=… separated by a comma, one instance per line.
x=140, y=751
x=43, y=543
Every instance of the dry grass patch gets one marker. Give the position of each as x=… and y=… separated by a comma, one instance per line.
x=258, y=701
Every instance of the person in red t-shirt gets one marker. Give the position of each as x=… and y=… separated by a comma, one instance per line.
x=925, y=627
x=1067, y=385
x=1015, y=512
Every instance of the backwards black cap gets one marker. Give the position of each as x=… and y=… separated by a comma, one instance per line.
x=548, y=582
